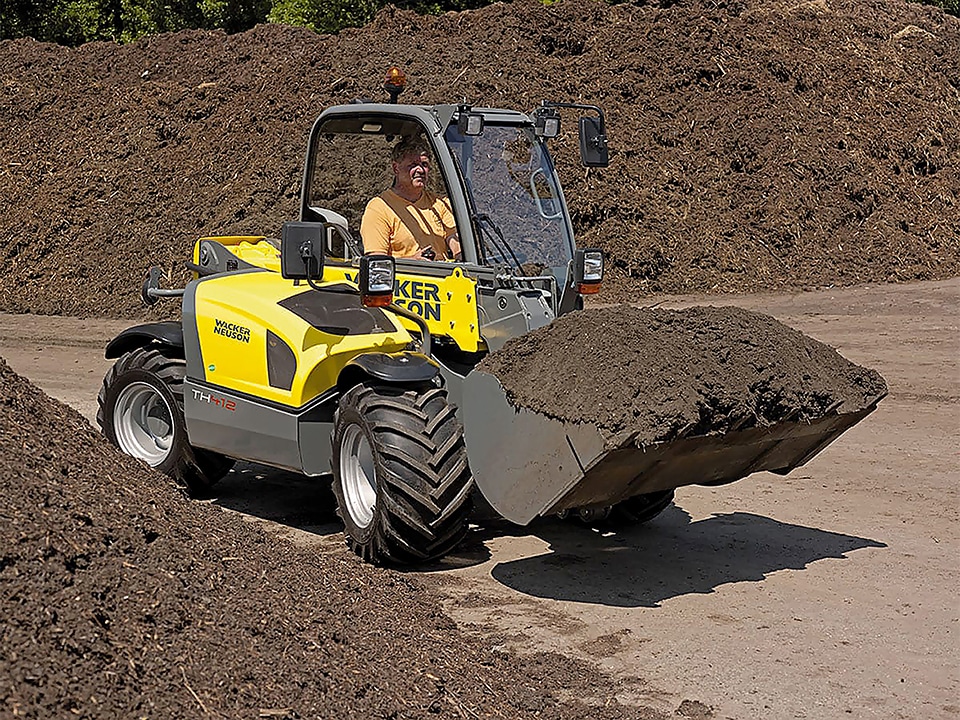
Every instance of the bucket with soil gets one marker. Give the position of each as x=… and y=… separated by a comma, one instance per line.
x=605, y=404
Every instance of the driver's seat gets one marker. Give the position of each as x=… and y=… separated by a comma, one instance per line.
x=339, y=243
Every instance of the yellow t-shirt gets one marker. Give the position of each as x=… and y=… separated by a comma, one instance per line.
x=394, y=226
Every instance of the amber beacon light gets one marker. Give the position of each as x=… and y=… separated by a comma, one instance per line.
x=394, y=83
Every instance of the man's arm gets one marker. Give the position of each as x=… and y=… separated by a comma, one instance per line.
x=375, y=228
x=449, y=222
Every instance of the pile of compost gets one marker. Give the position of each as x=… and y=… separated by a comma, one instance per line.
x=663, y=373
x=121, y=598
x=756, y=144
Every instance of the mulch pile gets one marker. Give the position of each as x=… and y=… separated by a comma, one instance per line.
x=756, y=143
x=660, y=373
x=121, y=598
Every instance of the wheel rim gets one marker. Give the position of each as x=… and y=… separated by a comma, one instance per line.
x=143, y=423
x=358, y=476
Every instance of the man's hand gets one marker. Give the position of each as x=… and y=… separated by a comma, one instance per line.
x=453, y=242
x=426, y=253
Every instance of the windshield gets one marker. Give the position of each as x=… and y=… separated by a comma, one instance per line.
x=510, y=178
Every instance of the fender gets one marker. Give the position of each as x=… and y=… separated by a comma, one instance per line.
x=168, y=333
x=398, y=368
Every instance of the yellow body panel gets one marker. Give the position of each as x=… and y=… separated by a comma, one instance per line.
x=448, y=304
x=233, y=314
x=254, y=249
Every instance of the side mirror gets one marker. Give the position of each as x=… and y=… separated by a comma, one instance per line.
x=301, y=250
x=593, y=142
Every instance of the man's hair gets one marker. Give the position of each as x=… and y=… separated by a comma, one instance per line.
x=415, y=145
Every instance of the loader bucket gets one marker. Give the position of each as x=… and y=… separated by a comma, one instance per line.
x=527, y=464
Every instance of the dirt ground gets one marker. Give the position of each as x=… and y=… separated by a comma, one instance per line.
x=829, y=593
x=122, y=598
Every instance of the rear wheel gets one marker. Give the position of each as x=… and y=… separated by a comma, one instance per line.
x=140, y=410
x=400, y=473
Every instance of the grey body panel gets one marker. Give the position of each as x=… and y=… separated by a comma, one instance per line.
x=315, y=446
x=296, y=439
x=506, y=313
x=215, y=257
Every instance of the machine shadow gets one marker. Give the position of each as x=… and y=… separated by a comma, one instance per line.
x=285, y=498
x=667, y=558
x=308, y=504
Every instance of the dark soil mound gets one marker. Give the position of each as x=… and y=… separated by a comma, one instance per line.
x=120, y=598
x=757, y=144
x=659, y=373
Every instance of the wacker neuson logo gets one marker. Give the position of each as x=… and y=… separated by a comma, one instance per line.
x=232, y=331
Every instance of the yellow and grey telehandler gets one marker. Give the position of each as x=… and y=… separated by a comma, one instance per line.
x=307, y=355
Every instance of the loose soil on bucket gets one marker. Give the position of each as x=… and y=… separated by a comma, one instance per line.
x=658, y=373
x=121, y=598
x=755, y=143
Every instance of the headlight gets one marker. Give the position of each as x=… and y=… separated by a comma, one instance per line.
x=588, y=270
x=377, y=273
x=592, y=266
x=379, y=277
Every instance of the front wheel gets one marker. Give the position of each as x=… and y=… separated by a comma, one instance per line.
x=633, y=511
x=641, y=508
x=400, y=473
x=140, y=410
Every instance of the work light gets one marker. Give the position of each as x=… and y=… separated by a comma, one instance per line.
x=469, y=123
x=377, y=273
x=547, y=123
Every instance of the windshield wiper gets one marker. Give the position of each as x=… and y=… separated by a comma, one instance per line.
x=480, y=219
x=497, y=239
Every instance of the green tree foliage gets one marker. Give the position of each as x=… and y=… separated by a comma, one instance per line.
x=71, y=22
x=325, y=16
x=330, y=16
x=950, y=6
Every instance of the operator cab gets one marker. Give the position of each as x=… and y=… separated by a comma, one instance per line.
x=491, y=168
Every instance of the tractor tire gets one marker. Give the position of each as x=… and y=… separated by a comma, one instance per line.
x=401, y=476
x=641, y=508
x=140, y=410
x=629, y=513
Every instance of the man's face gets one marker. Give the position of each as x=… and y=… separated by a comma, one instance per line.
x=412, y=170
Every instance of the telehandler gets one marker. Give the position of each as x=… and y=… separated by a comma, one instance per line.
x=310, y=356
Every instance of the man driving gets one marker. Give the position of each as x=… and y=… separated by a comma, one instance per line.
x=407, y=220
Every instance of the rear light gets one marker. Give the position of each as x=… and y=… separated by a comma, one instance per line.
x=377, y=277
x=588, y=271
